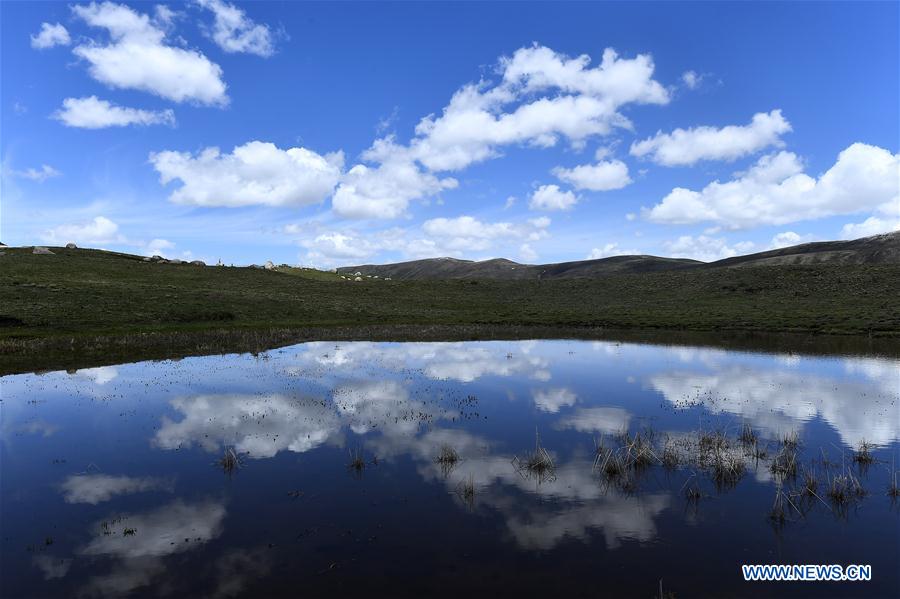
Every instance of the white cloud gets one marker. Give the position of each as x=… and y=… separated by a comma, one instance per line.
x=551, y=197
x=775, y=191
x=610, y=249
x=603, y=176
x=871, y=226
x=157, y=529
x=93, y=113
x=436, y=237
x=100, y=230
x=607, y=420
x=689, y=146
x=233, y=31
x=137, y=57
x=510, y=202
x=553, y=400
x=385, y=191
x=340, y=246
x=789, y=238
x=468, y=233
x=49, y=36
x=97, y=488
x=542, y=96
x=254, y=173
x=705, y=249
x=158, y=247
x=40, y=175
x=691, y=79
x=527, y=253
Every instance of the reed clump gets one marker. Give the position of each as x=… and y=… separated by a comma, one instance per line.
x=537, y=464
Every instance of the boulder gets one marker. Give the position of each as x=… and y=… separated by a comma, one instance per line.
x=148, y=259
x=198, y=262
x=358, y=279
x=41, y=250
x=157, y=258
x=71, y=246
x=173, y=261
x=269, y=265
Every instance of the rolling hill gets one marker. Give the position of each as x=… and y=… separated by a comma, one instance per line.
x=878, y=249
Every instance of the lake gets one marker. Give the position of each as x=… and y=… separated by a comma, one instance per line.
x=527, y=468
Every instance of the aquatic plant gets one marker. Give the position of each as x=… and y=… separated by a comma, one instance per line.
x=748, y=436
x=357, y=462
x=791, y=439
x=863, y=454
x=230, y=461
x=447, y=459
x=537, y=464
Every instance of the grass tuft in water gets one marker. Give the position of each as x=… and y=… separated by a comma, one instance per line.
x=447, y=459
x=791, y=440
x=863, y=454
x=537, y=464
x=230, y=461
x=357, y=461
x=748, y=436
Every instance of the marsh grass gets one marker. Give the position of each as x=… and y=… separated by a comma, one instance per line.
x=748, y=436
x=231, y=461
x=791, y=440
x=537, y=464
x=785, y=463
x=447, y=459
x=670, y=458
x=863, y=454
x=357, y=462
x=466, y=491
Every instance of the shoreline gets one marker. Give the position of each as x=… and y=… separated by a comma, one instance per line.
x=67, y=352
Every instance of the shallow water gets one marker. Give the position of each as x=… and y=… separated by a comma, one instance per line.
x=112, y=481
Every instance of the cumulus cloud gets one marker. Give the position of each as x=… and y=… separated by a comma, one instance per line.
x=789, y=238
x=93, y=113
x=466, y=232
x=158, y=247
x=706, y=249
x=40, y=175
x=603, y=176
x=542, y=96
x=776, y=191
x=436, y=237
x=871, y=226
x=689, y=146
x=384, y=191
x=610, y=249
x=527, y=253
x=233, y=31
x=49, y=36
x=254, y=173
x=551, y=197
x=100, y=230
x=137, y=57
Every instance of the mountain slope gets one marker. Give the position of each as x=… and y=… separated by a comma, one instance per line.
x=879, y=249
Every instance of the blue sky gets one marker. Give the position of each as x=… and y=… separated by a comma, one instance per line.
x=370, y=132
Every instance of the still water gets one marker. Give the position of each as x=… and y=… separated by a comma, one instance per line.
x=402, y=469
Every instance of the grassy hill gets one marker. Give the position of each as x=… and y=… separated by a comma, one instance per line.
x=879, y=249
x=79, y=301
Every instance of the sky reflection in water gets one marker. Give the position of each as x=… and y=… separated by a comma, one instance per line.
x=110, y=481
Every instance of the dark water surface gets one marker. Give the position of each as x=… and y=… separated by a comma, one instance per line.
x=113, y=482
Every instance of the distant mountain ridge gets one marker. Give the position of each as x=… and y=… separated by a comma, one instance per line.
x=878, y=249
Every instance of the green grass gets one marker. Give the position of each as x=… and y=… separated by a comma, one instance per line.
x=74, y=295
